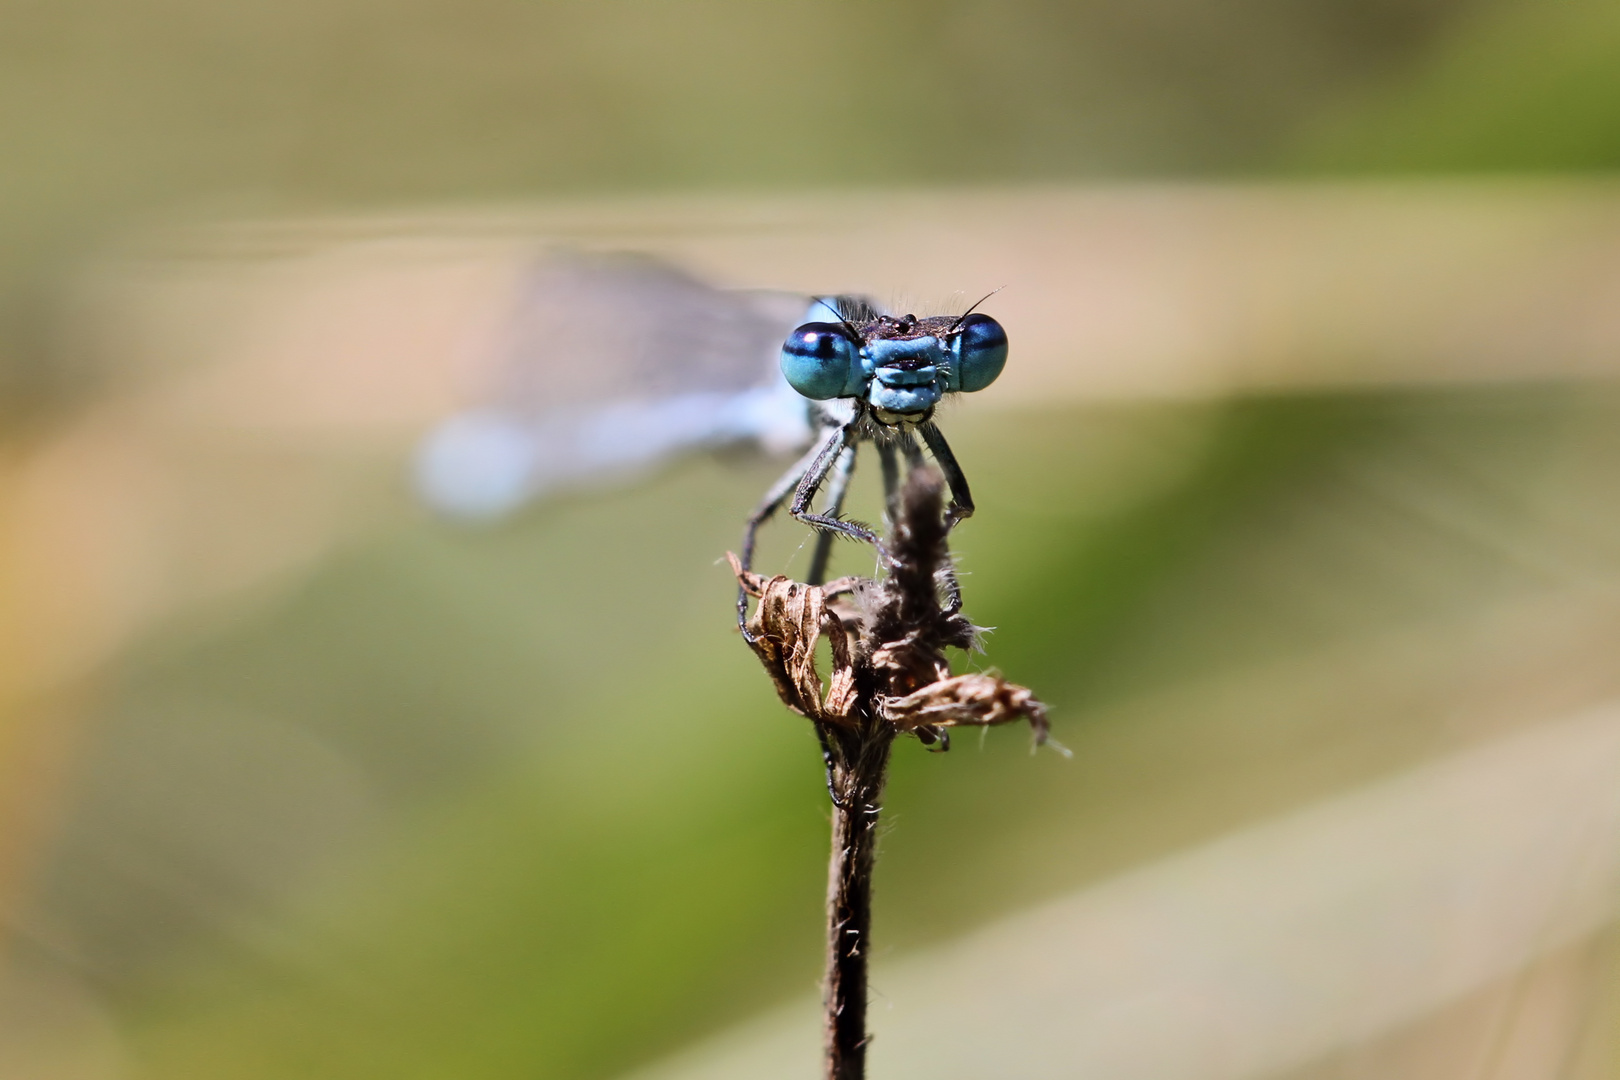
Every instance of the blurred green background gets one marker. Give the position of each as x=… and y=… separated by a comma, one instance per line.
x=517, y=803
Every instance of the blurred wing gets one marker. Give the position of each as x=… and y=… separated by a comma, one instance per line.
x=610, y=365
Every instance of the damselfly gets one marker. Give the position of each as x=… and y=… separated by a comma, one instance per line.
x=612, y=364
x=874, y=378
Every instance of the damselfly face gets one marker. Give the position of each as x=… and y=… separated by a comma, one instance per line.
x=896, y=365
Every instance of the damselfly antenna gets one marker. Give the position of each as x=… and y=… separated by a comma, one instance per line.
x=952, y=328
x=855, y=335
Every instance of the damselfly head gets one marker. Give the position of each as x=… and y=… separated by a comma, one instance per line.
x=901, y=364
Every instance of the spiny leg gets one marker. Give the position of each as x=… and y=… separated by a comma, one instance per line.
x=785, y=485
x=961, y=503
x=806, y=491
x=961, y=499
x=843, y=469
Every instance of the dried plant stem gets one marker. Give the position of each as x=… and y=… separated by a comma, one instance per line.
x=889, y=677
x=860, y=761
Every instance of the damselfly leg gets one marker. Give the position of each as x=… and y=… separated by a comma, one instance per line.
x=803, y=481
x=961, y=505
x=833, y=459
x=838, y=487
x=844, y=441
x=961, y=499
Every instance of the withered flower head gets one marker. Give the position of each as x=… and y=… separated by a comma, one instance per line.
x=887, y=637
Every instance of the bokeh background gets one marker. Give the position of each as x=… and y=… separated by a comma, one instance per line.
x=1298, y=504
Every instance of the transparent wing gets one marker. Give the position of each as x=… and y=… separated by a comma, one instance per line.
x=609, y=365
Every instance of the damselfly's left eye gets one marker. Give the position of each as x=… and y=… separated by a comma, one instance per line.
x=821, y=361
x=981, y=353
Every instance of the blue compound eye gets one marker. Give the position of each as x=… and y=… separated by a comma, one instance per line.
x=820, y=361
x=981, y=351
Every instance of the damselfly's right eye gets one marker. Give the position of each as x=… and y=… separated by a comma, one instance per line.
x=982, y=349
x=821, y=361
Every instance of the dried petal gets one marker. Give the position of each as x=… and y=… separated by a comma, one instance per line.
x=789, y=620
x=975, y=699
